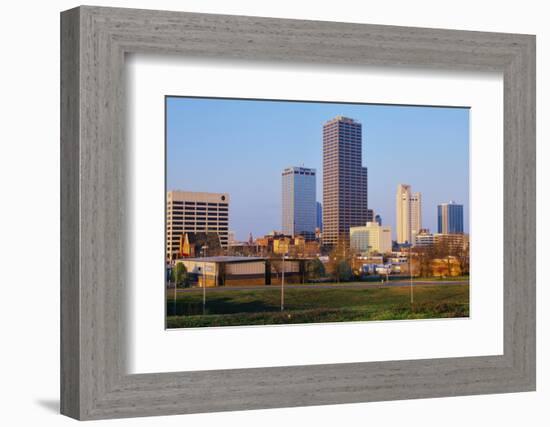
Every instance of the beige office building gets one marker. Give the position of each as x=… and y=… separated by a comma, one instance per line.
x=424, y=238
x=191, y=212
x=408, y=214
x=371, y=238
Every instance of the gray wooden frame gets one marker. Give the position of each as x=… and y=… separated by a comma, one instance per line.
x=94, y=41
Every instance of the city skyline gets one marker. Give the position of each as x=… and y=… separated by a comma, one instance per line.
x=244, y=141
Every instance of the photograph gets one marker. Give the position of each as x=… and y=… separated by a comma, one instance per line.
x=307, y=212
x=271, y=208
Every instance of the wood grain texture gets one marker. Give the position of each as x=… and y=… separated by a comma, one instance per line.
x=94, y=382
x=70, y=220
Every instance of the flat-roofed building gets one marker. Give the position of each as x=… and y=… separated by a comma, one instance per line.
x=452, y=240
x=242, y=271
x=450, y=218
x=281, y=245
x=345, y=180
x=371, y=238
x=424, y=238
x=299, y=206
x=286, y=245
x=194, y=212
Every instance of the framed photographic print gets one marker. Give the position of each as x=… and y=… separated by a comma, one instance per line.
x=355, y=267
x=282, y=213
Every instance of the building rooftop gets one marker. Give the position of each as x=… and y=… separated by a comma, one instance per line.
x=200, y=196
x=340, y=118
x=224, y=258
x=301, y=170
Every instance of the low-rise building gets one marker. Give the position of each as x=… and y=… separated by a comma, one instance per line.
x=424, y=238
x=455, y=241
x=371, y=238
x=242, y=271
x=293, y=246
x=281, y=245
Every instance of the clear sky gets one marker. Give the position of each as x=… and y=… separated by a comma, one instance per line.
x=240, y=147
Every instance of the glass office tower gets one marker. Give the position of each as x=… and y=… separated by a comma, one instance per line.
x=450, y=218
x=299, y=213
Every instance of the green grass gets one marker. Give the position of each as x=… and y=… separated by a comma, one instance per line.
x=442, y=279
x=234, y=307
x=405, y=278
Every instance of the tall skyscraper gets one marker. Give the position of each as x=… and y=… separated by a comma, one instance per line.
x=378, y=219
x=408, y=214
x=450, y=218
x=192, y=212
x=345, y=180
x=299, y=215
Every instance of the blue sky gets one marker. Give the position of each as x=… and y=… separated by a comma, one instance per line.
x=241, y=146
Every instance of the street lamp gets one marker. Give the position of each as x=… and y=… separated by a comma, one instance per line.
x=283, y=284
x=174, y=271
x=410, y=273
x=203, y=250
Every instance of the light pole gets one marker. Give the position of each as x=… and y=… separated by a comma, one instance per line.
x=204, y=248
x=174, y=272
x=283, y=285
x=411, y=274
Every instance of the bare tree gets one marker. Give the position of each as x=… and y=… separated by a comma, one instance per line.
x=339, y=264
x=463, y=256
x=276, y=266
x=425, y=256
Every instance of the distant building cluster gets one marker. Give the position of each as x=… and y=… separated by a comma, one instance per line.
x=197, y=224
x=450, y=224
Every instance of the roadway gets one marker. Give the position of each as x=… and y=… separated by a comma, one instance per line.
x=352, y=285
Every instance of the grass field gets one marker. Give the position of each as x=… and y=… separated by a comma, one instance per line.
x=400, y=278
x=236, y=307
